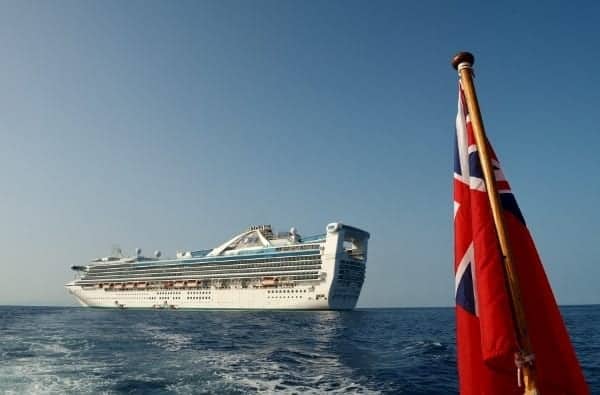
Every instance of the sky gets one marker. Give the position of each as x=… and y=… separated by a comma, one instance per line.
x=176, y=125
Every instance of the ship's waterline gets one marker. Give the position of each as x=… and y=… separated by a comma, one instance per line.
x=257, y=269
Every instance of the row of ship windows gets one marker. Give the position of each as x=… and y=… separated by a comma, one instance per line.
x=138, y=266
x=173, y=295
x=125, y=293
x=285, y=297
x=296, y=248
x=253, y=269
x=155, y=298
x=179, y=292
x=170, y=294
x=208, y=269
x=127, y=297
x=278, y=291
x=198, y=275
x=310, y=276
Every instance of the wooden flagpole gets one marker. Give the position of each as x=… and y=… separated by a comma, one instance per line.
x=463, y=63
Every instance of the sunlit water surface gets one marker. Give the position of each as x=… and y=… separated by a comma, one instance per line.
x=395, y=351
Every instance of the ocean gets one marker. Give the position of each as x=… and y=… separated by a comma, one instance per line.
x=53, y=350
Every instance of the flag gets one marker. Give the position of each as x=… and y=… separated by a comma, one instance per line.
x=485, y=330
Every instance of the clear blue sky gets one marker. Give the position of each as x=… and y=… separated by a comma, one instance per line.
x=174, y=125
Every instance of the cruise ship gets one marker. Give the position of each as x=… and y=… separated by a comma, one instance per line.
x=257, y=269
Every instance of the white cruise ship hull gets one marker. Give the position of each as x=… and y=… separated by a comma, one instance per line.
x=300, y=298
x=325, y=272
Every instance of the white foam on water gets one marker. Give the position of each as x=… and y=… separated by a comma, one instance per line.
x=49, y=365
x=164, y=338
x=49, y=348
x=255, y=372
x=46, y=376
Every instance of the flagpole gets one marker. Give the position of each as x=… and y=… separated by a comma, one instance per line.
x=463, y=63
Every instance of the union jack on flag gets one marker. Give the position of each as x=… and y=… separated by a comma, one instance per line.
x=468, y=178
x=485, y=335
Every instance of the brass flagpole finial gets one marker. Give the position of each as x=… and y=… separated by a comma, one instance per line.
x=462, y=57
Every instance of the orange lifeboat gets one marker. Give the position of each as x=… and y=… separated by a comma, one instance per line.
x=192, y=283
x=269, y=281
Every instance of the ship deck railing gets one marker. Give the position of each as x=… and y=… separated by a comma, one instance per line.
x=314, y=238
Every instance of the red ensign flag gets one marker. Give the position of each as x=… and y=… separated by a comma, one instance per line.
x=485, y=332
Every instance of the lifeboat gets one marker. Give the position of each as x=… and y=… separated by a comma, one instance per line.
x=118, y=286
x=269, y=281
x=141, y=285
x=192, y=283
x=179, y=284
x=130, y=285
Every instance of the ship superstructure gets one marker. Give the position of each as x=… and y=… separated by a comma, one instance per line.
x=257, y=269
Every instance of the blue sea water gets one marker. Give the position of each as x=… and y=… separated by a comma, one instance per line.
x=393, y=351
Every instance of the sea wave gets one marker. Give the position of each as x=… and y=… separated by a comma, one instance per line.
x=86, y=351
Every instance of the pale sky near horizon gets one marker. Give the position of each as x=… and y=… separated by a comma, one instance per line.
x=175, y=125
